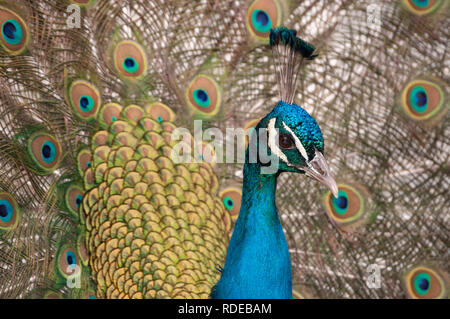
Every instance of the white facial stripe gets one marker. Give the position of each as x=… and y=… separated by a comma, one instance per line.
x=298, y=144
x=272, y=141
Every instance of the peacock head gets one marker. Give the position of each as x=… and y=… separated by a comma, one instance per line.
x=295, y=138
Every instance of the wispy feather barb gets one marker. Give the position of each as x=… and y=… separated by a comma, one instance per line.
x=288, y=53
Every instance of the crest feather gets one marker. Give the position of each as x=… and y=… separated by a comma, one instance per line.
x=288, y=53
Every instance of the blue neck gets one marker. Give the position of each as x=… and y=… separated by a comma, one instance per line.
x=258, y=262
x=258, y=201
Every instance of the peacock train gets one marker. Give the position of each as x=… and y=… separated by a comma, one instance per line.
x=106, y=191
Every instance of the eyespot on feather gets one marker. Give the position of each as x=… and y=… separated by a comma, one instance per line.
x=84, y=161
x=45, y=151
x=130, y=60
x=9, y=212
x=67, y=261
x=423, y=100
x=14, y=32
x=263, y=15
x=231, y=199
x=425, y=283
x=85, y=100
x=74, y=199
x=422, y=7
x=203, y=95
x=350, y=208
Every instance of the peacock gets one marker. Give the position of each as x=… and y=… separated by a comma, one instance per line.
x=93, y=204
x=258, y=263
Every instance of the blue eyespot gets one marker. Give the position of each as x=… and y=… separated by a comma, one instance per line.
x=45, y=151
x=130, y=59
x=71, y=259
x=78, y=201
x=6, y=211
x=421, y=3
x=340, y=204
x=12, y=32
x=130, y=65
x=201, y=97
x=228, y=202
x=261, y=21
x=159, y=119
x=422, y=283
x=48, y=151
x=419, y=99
x=86, y=103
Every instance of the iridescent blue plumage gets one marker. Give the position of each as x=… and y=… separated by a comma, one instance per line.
x=303, y=125
x=258, y=263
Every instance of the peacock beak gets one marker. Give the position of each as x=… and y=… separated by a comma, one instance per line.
x=318, y=169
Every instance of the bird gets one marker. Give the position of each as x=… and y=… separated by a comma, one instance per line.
x=258, y=263
x=92, y=205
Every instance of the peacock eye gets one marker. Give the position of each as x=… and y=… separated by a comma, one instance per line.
x=286, y=142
